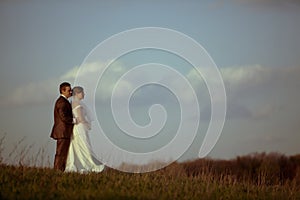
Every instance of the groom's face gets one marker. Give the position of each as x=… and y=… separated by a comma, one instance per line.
x=67, y=92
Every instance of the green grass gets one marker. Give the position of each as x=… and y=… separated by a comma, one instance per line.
x=170, y=183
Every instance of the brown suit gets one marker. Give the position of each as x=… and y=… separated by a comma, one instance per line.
x=62, y=131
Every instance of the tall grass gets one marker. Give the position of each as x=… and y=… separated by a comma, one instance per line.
x=171, y=182
x=255, y=176
x=257, y=168
x=23, y=154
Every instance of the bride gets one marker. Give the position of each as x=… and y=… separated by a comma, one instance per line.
x=81, y=157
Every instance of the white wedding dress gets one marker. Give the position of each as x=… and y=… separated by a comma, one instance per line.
x=81, y=157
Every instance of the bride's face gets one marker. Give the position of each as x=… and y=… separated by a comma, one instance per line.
x=80, y=95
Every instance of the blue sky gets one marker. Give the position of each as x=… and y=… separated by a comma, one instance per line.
x=254, y=43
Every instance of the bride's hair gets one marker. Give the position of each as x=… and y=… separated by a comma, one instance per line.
x=77, y=90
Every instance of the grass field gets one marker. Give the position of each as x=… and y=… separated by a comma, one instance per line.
x=254, y=176
x=257, y=176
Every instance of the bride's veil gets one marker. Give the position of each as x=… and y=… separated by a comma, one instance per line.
x=89, y=114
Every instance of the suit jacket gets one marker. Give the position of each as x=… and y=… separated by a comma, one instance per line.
x=63, y=119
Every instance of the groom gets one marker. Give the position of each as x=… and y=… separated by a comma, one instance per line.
x=63, y=125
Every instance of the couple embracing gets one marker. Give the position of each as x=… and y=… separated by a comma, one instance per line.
x=72, y=123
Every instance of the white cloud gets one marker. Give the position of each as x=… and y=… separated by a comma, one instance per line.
x=262, y=90
x=251, y=89
x=235, y=77
x=239, y=78
x=86, y=70
x=245, y=76
x=243, y=84
x=47, y=90
x=32, y=93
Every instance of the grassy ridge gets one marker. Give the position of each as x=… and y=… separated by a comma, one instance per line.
x=242, y=178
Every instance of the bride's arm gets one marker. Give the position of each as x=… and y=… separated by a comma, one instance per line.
x=81, y=117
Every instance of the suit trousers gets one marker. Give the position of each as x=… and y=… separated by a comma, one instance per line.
x=62, y=148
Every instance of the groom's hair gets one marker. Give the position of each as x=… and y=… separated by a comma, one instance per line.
x=62, y=86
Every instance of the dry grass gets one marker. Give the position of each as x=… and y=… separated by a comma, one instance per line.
x=256, y=176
